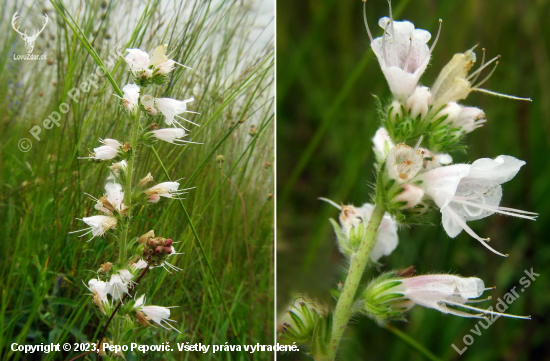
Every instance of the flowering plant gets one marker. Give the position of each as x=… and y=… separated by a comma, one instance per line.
x=117, y=279
x=415, y=176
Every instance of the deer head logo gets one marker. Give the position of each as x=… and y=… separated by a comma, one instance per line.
x=29, y=40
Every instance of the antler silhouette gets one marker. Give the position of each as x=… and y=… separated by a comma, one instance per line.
x=43, y=27
x=35, y=32
x=13, y=20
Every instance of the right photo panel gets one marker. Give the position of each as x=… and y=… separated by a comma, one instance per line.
x=412, y=180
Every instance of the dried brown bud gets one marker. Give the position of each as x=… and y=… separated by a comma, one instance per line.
x=142, y=319
x=143, y=182
x=105, y=267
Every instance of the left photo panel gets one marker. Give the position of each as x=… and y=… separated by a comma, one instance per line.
x=137, y=180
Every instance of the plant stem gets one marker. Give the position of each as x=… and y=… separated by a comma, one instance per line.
x=359, y=260
x=128, y=203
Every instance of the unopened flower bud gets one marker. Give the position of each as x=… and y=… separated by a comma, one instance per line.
x=382, y=144
x=395, y=112
x=168, y=243
x=418, y=103
x=168, y=250
x=470, y=118
x=410, y=196
x=159, y=249
x=451, y=111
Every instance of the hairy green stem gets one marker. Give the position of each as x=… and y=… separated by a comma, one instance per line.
x=359, y=260
x=123, y=240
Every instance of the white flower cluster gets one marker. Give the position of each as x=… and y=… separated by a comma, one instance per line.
x=416, y=175
x=419, y=177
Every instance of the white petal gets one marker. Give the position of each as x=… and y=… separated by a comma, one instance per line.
x=441, y=183
x=500, y=170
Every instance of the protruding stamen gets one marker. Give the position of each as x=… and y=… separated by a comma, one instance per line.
x=482, y=62
x=482, y=67
x=365, y=20
x=480, y=300
x=468, y=230
x=330, y=202
x=187, y=120
x=502, y=210
x=436, y=37
x=485, y=311
x=481, y=90
x=185, y=66
x=486, y=78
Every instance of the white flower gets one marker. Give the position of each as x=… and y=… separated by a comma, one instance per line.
x=382, y=144
x=113, y=199
x=117, y=167
x=98, y=225
x=107, y=151
x=165, y=189
x=403, y=55
x=160, y=61
x=170, y=135
x=125, y=275
x=387, y=238
x=352, y=218
x=98, y=288
x=454, y=83
x=141, y=264
x=404, y=162
x=116, y=287
x=156, y=313
x=442, y=290
x=171, y=108
x=148, y=103
x=137, y=59
x=470, y=192
x=131, y=96
x=115, y=195
x=465, y=118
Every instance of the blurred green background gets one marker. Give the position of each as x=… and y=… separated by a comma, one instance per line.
x=230, y=47
x=326, y=73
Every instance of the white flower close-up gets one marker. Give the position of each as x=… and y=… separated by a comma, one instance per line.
x=130, y=98
x=116, y=287
x=403, y=54
x=438, y=291
x=158, y=314
x=98, y=225
x=171, y=108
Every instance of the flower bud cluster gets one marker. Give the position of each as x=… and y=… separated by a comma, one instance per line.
x=307, y=325
x=152, y=69
x=156, y=250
